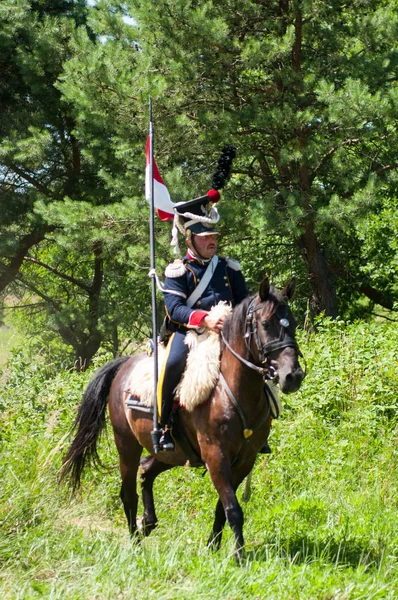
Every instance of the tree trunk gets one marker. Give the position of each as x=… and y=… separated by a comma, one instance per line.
x=9, y=272
x=324, y=299
x=85, y=351
x=87, y=348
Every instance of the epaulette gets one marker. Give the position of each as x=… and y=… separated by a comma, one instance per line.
x=233, y=264
x=175, y=269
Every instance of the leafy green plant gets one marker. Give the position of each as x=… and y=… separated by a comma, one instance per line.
x=321, y=522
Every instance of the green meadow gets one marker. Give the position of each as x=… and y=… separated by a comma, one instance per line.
x=322, y=521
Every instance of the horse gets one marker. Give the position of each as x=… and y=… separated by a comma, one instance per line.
x=225, y=433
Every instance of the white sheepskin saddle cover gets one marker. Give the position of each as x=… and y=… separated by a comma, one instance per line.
x=201, y=372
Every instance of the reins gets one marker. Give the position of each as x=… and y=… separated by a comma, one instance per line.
x=264, y=372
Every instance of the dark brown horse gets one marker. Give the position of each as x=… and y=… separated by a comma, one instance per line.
x=225, y=433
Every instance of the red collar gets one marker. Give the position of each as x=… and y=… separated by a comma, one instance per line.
x=192, y=256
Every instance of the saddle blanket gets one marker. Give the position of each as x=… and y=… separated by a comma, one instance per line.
x=201, y=372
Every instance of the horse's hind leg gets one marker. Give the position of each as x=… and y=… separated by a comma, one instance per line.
x=150, y=468
x=129, y=457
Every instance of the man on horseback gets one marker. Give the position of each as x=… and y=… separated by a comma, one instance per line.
x=192, y=287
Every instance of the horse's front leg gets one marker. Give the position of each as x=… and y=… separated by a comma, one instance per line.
x=214, y=541
x=221, y=476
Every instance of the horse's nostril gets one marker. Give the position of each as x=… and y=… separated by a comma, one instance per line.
x=292, y=381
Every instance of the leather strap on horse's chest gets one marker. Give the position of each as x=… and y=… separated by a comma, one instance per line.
x=246, y=431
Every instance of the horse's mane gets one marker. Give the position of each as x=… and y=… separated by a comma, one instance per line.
x=234, y=325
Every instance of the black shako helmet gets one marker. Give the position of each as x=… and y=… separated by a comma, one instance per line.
x=199, y=216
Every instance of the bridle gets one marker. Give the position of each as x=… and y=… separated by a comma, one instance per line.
x=285, y=340
x=267, y=371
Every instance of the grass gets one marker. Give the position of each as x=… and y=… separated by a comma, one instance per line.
x=321, y=523
x=7, y=340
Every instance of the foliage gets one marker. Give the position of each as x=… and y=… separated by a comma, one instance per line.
x=307, y=91
x=321, y=522
x=73, y=227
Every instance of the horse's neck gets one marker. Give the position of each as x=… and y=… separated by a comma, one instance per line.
x=242, y=380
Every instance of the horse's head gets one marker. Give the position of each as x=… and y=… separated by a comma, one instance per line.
x=271, y=335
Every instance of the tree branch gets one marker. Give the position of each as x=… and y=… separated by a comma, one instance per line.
x=36, y=184
x=330, y=153
x=384, y=317
x=69, y=278
x=11, y=270
x=386, y=168
x=47, y=299
x=378, y=297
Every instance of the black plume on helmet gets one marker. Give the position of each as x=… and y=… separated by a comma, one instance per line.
x=223, y=167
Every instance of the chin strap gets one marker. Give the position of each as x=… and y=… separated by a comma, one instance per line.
x=193, y=253
x=174, y=236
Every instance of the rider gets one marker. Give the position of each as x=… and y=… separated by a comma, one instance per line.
x=221, y=278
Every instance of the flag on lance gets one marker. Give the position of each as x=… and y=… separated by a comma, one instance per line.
x=161, y=197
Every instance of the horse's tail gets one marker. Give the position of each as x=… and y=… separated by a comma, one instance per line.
x=90, y=422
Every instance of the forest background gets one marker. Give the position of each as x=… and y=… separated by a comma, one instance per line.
x=307, y=91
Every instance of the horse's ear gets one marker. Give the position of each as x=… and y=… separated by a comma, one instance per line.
x=264, y=289
x=289, y=291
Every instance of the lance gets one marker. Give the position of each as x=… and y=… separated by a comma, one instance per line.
x=156, y=431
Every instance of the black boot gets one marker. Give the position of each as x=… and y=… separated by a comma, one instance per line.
x=166, y=442
x=265, y=449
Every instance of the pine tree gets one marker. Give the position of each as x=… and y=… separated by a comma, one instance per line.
x=306, y=90
x=68, y=208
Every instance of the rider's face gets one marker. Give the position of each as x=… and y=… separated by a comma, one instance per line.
x=206, y=245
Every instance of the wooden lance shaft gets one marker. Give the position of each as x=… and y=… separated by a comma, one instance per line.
x=156, y=431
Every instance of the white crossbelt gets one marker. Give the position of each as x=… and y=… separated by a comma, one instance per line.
x=204, y=282
x=198, y=291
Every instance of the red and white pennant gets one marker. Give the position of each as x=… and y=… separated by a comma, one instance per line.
x=161, y=197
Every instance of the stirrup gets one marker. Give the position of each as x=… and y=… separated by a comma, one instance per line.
x=166, y=441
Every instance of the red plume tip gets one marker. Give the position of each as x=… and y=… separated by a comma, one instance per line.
x=213, y=195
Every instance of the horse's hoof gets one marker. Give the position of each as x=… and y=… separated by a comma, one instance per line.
x=239, y=558
x=135, y=535
x=214, y=542
x=147, y=526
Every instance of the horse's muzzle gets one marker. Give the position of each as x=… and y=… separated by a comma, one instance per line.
x=290, y=382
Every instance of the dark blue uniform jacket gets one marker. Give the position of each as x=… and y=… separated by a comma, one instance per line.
x=227, y=283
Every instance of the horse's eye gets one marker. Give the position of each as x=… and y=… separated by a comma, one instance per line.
x=265, y=324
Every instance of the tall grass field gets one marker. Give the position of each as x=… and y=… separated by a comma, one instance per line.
x=322, y=521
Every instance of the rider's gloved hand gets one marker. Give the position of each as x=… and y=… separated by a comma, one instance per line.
x=212, y=322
